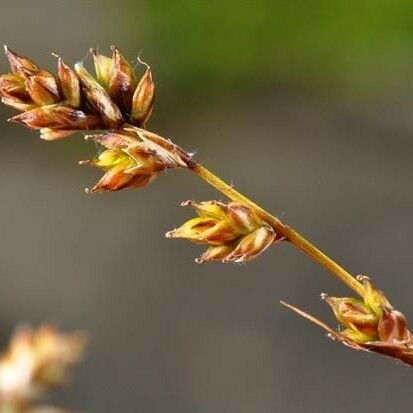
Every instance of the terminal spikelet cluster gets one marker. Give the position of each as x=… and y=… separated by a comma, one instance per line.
x=74, y=100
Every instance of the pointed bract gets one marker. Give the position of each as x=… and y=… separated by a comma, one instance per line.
x=14, y=87
x=69, y=82
x=114, y=140
x=103, y=67
x=170, y=154
x=216, y=253
x=18, y=63
x=252, y=245
x=122, y=82
x=18, y=104
x=209, y=209
x=392, y=327
x=143, y=99
x=206, y=231
x=243, y=217
x=373, y=297
x=42, y=87
x=112, y=158
x=57, y=117
x=116, y=179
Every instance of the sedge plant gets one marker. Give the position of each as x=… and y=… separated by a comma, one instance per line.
x=113, y=106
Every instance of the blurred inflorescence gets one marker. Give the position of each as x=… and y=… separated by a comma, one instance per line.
x=36, y=362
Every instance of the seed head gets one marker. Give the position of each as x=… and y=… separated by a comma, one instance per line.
x=371, y=324
x=111, y=100
x=131, y=159
x=233, y=231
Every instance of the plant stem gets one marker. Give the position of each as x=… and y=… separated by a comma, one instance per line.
x=280, y=228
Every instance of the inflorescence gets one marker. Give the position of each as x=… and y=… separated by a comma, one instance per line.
x=113, y=107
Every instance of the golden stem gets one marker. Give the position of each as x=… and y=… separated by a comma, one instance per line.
x=281, y=229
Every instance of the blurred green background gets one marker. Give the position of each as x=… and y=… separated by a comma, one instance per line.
x=329, y=47
x=304, y=105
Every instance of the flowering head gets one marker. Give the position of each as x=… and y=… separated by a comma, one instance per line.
x=368, y=319
x=233, y=231
x=370, y=324
x=109, y=100
x=131, y=159
x=116, y=75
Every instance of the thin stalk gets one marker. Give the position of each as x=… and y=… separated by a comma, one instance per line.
x=281, y=229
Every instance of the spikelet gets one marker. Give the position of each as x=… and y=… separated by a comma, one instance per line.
x=113, y=101
x=371, y=324
x=132, y=158
x=74, y=100
x=233, y=231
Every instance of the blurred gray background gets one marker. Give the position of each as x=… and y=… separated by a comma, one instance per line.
x=306, y=106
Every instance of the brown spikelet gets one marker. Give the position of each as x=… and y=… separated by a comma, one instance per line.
x=373, y=326
x=110, y=100
x=131, y=159
x=233, y=231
